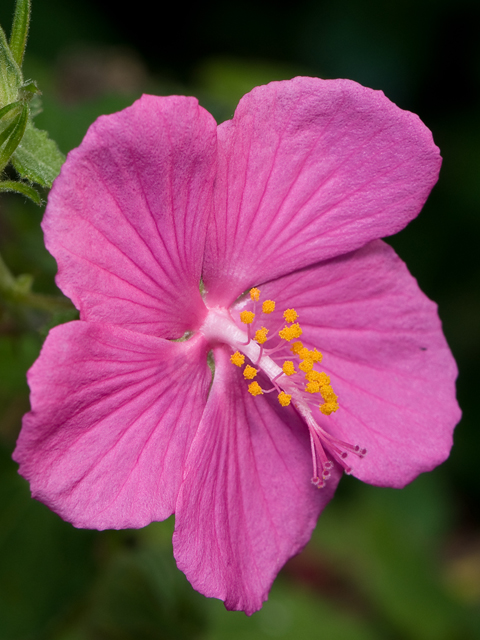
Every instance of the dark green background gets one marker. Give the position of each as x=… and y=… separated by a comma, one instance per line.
x=382, y=563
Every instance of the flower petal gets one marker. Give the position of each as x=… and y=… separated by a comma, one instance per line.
x=310, y=169
x=113, y=415
x=388, y=360
x=126, y=218
x=246, y=504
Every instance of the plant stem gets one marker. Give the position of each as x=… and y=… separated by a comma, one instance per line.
x=13, y=290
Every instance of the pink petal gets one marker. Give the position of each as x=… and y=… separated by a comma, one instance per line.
x=389, y=363
x=113, y=415
x=310, y=169
x=246, y=504
x=127, y=216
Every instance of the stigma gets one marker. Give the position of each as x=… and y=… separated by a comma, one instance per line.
x=292, y=370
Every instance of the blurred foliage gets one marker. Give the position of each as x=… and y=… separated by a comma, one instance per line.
x=383, y=564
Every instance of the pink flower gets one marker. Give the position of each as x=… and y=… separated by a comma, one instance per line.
x=127, y=424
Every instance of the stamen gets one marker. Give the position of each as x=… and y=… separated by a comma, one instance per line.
x=291, y=332
x=327, y=408
x=255, y=389
x=261, y=335
x=255, y=294
x=279, y=347
x=328, y=393
x=237, y=358
x=330, y=405
x=268, y=306
x=290, y=315
x=296, y=347
x=249, y=372
x=306, y=365
x=284, y=398
x=293, y=382
x=317, y=376
x=288, y=368
x=247, y=317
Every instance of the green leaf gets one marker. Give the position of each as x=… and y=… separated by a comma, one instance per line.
x=11, y=136
x=37, y=158
x=21, y=187
x=10, y=73
x=18, y=37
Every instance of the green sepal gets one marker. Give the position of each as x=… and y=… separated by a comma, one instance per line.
x=18, y=37
x=12, y=135
x=9, y=107
x=37, y=158
x=10, y=74
x=22, y=188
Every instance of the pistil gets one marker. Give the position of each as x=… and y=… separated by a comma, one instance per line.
x=220, y=328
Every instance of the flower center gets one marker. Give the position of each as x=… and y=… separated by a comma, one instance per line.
x=295, y=380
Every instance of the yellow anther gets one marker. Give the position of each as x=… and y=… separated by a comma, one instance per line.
x=306, y=365
x=284, y=398
x=328, y=408
x=312, y=387
x=247, y=317
x=249, y=372
x=296, y=347
x=290, y=315
x=255, y=389
x=237, y=358
x=261, y=335
x=324, y=379
x=255, y=294
x=286, y=334
x=288, y=368
x=317, y=376
x=328, y=394
x=291, y=332
x=330, y=405
x=268, y=306
x=303, y=353
x=297, y=330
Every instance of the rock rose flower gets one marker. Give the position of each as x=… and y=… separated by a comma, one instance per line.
x=254, y=247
